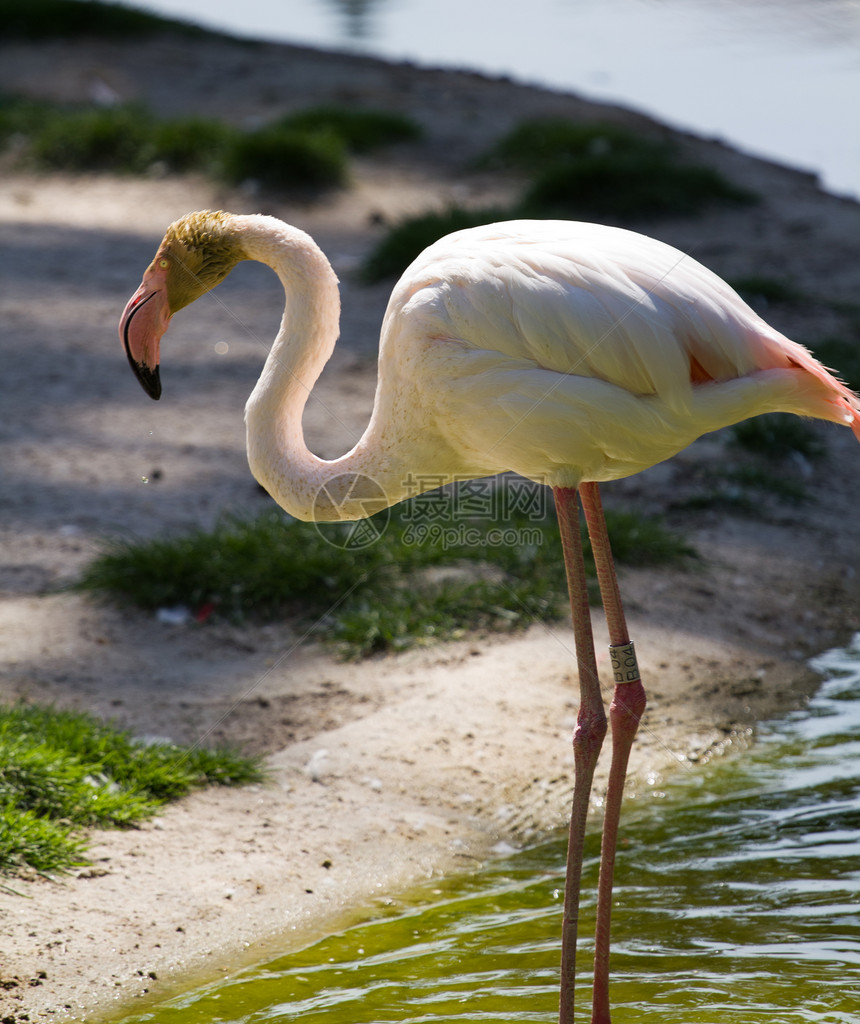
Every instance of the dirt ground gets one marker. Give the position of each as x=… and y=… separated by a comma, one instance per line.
x=395, y=769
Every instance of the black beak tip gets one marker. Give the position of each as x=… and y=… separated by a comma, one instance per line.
x=150, y=380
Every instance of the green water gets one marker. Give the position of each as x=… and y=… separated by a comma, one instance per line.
x=737, y=900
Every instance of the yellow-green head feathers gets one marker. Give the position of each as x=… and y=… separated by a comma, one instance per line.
x=197, y=253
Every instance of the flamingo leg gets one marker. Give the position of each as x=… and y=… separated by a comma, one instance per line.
x=587, y=738
x=627, y=706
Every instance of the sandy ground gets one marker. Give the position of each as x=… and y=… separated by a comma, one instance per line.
x=396, y=769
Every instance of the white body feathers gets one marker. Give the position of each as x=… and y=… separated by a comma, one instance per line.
x=562, y=351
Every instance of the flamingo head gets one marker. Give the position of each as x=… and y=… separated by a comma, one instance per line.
x=197, y=253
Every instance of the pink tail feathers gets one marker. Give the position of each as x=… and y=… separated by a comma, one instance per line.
x=842, y=405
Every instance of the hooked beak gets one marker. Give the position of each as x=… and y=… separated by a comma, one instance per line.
x=143, y=322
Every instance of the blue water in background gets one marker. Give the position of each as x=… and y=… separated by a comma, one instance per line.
x=777, y=78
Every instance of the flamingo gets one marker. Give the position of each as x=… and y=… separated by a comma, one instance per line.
x=569, y=353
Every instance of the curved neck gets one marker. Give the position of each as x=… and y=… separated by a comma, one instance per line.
x=304, y=485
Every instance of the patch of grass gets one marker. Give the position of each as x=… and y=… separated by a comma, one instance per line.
x=63, y=771
x=22, y=117
x=584, y=171
x=741, y=489
x=29, y=842
x=778, y=435
x=761, y=466
x=124, y=139
x=411, y=236
x=192, y=144
x=626, y=188
x=49, y=19
x=280, y=157
x=359, y=129
x=383, y=596
x=308, y=149
x=262, y=568
x=759, y=478
x=532, y=585
x=115, y=139
x=729, y=499
x=605, y=170
x=410, y=616
x=305, y=151
x=532, y=145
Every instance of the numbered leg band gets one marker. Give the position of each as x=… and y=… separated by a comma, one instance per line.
x=624, y=666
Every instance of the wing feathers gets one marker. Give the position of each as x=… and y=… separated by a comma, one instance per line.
x=577, y=345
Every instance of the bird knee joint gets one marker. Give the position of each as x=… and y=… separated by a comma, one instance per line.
x=589, y=733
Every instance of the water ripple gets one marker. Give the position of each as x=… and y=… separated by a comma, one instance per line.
x=738, y=899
